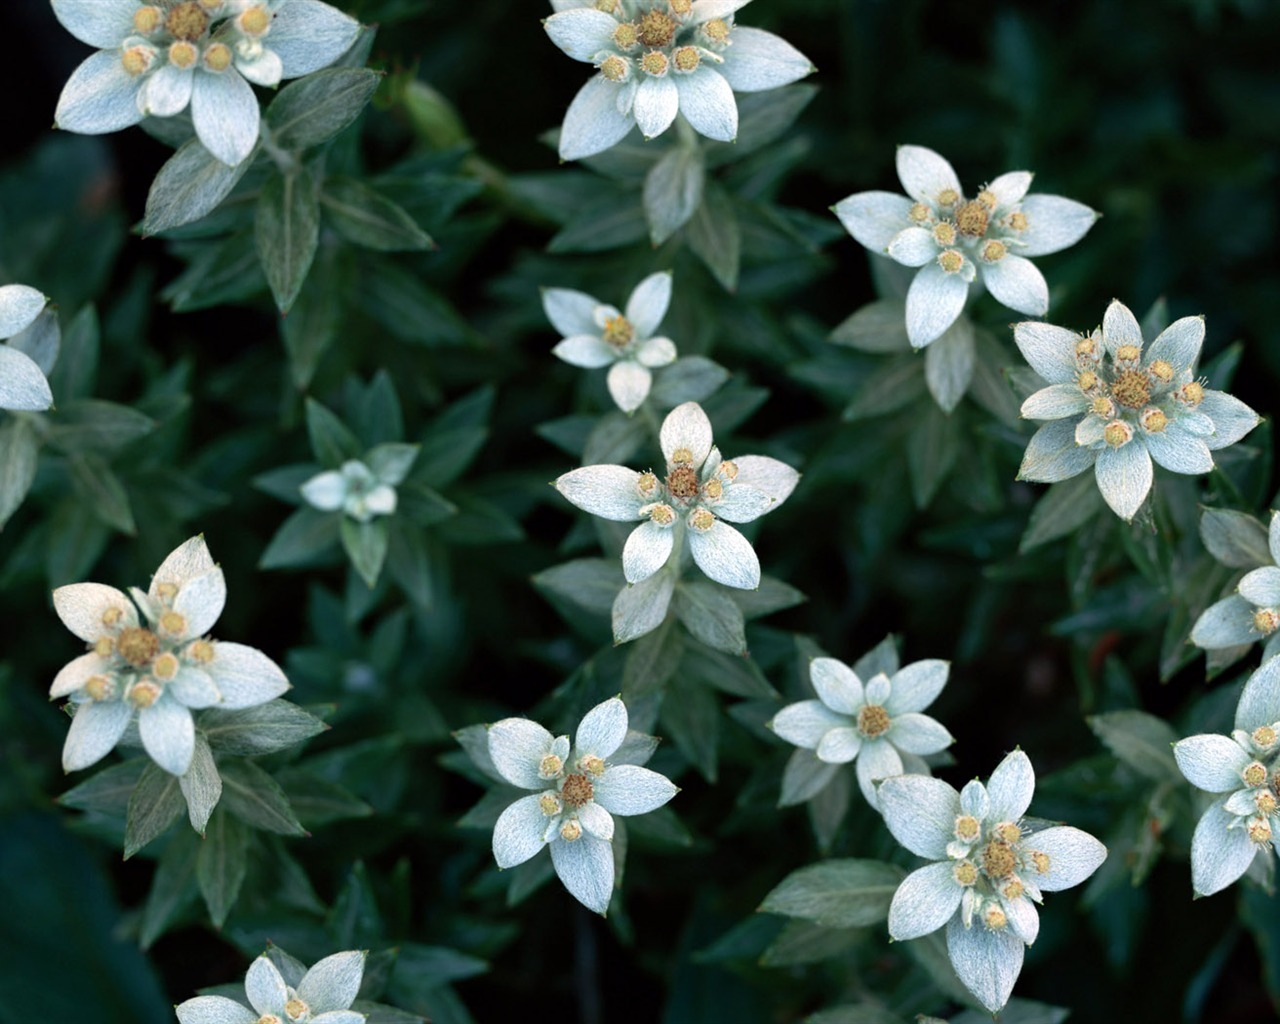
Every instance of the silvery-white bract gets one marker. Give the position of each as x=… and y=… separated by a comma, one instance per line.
x=956, y=241
x=1244, y=766
x=23, y=386
x=159, y=668
x=657, y=59
x=1115, y=406
x=364, y=488
x=155, y=58
x=698, y=497
x=878, y=723
x=576, y=792
x=1251, y=614
x=287, y=994
x=991, y=867
x=597, y=335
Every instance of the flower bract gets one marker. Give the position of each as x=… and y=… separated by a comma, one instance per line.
x=156, y=667
x=1115, y=404
x=1250, y=614
x=280, y=989
x=23, y=386
x=959, y=242
x=991, y=866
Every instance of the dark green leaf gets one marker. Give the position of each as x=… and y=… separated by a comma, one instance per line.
x=256, y=798
x=366, y=546
x=314, y=109
x=837, y=893
x=306, y=535
x=156, y=804
x=188, y=186
x=287, y=231
x=221, y=865
x=368, y=218
x=19, y=452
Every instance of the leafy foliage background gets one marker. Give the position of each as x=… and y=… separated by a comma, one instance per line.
x=1165, y=116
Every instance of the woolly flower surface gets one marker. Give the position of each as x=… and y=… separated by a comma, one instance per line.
x=155, y=59
x=957, y=242
x=991, y=867
x=358, y=490
x=576, y=792
x=288, y=994
x=1116, y=405
x=22, y=383
x=156, y=669
x=878, y=725
x=1245, y=768
x=597, y=335
x=656, y=59
x=698, y=497
x=1253, y=613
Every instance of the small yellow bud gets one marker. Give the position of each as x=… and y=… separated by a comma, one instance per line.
x=716, y=31
x=592, y=765
x=1008, y=832
x=295, y=1008
x=965, y=873
x=1154, y=420
x=1040, y=861
x=255, y=21
x=713, y=489
x=729, y=470
x=608, y=6
x=1018, y=221
x=1117, y=433
x=1191, y=393
x=1013, y=889
x=201, y=651
x=167, y=591
x=147, y=19
x=137, y=59
x=625, y=36
x=173, y=624
x=144, y=693
x=919, y=213
x=549, y=804
x=112, y=617
x=165, y=666
x=647, y=485
x=988, y=199
x=1264, y=737
x=1161, y=370
x=951, y=261
x=1254, y=774
x=100, y=687
x=663, y=515
x=1260, y=831
x=1266, y=621
x=994, y=251
x=1265, y=802
x=1087, y=381
x=994, y=918
x=1087, y=349
x=967, y=828
x=615, y=68
x=972, y=219
x=656, y=28
x=686, y=59
x=187, y=21
x=1128, y=354
x=701, y=520
x=654, y=63
x=680, y=7
x=1103, y=406
x=217, y=57
x=948, y=197
x=104, y=647
x=944, y=233
x=570, y=831
x=682, y=457
x=550, y=766
x=618, y=331
x=181, y=55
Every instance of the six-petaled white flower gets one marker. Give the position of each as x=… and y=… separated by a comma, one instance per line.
x=957, y=241
x=160, y=667
x=1114, y=406
x=288, y=994
x=1244, y=766
x=598, y=335
x=362, y=489
x=697, y=498
x=1251, y=614
x=660, y=58
x=991, y=867
x=577, y=790
x=156, y=58
x=23, y=386
x=878, y=723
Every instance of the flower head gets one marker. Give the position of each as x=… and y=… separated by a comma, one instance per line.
x=599, y=335
x=157, y=667
x=576, y=791
x=1115, y=405
x=991, y=866
x=1245, y=768
x=877, y=724
x=155, y=58
x=359, y=491
x=697, y=497
x=287, y=994
x=1251, y=614
x=656, y=59
x=956, y=241
x=22, y=381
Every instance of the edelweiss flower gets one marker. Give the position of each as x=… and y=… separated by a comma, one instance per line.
x=956, y=241
x=361, y=491
x=660, y=58
x=1250, y=615
x=991, y=865
x=1246, y=767
x=598, y=335
x=1115, y=407
x=155, y=58
x=879, y=725
x=576, y=793
x=698, y=497
x=22, y=384
x=322, y=995
x=162, y=670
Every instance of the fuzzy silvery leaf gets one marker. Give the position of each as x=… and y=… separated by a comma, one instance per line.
x=837, y=893
x=190, y=185
x=710, y=615
x=1140, y=740
x=201, y=785
x=948, y=364
x=673, y=191
x=804, y=777
x=316, y=108
x=640, y=608
x=287, y=232
x=365, y=216
x=262, y=729
x=688, y=379
x=19, y=454
x=877, y=327
x=1235, y=538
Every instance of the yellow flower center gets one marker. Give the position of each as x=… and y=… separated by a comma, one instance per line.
x=998, y=860
x=967, y=828
x=570, y=831
x=136, y=60
x=1117, y=433
x=965, y=873
x=182, y=55
x=187, y=21
x=592, y=765
x=944, y=233
x=550, y=766
x=255, y=21
x=988, y=199
x=1254, y=774
x=948, y=197
x=549, y=804
x=1041, y=861
x=144, y=693
x=1264, y=736
x=614, y=68
x=1154, y=421
x=100, y=687
x=173, y=624
x=682, y=482
x=165, y=667
x=1008, y=832
x=972, y=218
x=217, y=57
x=1191, y=393
x=951, y=261
x=1260, y=831
x=663, y=515
x=1018, y=221
x=687, y=58
x=713, y=489
x=137, y=646
x=577, y=790
x=1161, y=370
x=994, y=251
x=654, y=63
x=716, y=31
x=618, y=331
x=147, y=19
x=625, y=36
x=656, y=29
x=1266, y=621
x=1128, y=353
x=701, y=520
x=295, y=1008
x=994, y=918
x=919, y=213
x=1132, y=389
x=873, y=720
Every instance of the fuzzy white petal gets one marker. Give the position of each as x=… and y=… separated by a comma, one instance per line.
x=245, y=676
x=1120, y=327
x=648, y=303
x=571, y=312
x=921, y=813
x=1050, y=350
x=582, y=33
x=1011, y=787
x=934, y=301
x=725, y=555
x=168, y=734
x=100, y=23
x=20, y=304
x=1010, y=188
x=519, y=832
x=1232, y=419
x=837, y=685
x=772, y=476
x=806, y=722
x=602, y=729
x=308, y=35
x=913, y=247
x=988, y=963
x=919, y=734
x=629, y=384
x=265, y=987
x=874, y=218
x=22, y=386
x=1124, y=477
x=225, y=113
x=167, y=91
x=517, y=746
x=924, y=173
x=334, y=982
x=627, y=789
x=1219, y=854
x=585, y=866
x=593, y=122
x=1178, y=344
x=877, y=760
x=1054, y=455
x=1074, y=855
x=707, y=103
x=1178, y=451
x=99, y=97
x=81, y=607
x=686, y=426
x=924, y=902
x=656, y=105
x=605, y=491
x=646, y=551
x=214, y=1010
x=1053, y=223
x=1017, y=283
x=1055, y=402
x=916, y=686
x=1260, y=699
x=759, y=60
x=1228, y=623
x=95, y=730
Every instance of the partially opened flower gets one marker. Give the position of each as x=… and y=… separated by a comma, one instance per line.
x=157, y=668
x=1114, y=405
x=362, y=489
x=288, y=994
x=155, y=58
x=1245, y=767
x=23, y=386
x=576, y=792
x=657, y=59
x=597, y=335
x=1251, y=614
x=958, y=242
x=991, y=867
x=877, y=724
x=697, y=497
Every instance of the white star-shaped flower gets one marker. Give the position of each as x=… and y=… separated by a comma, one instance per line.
x=991, y=866
x=596, y=335
x=321, y=995
x=23, y=386
x=697, y=498
x=158, y=667
x=957, y=242
x=576, y=792
x=155, y=59
x=1115, y=406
